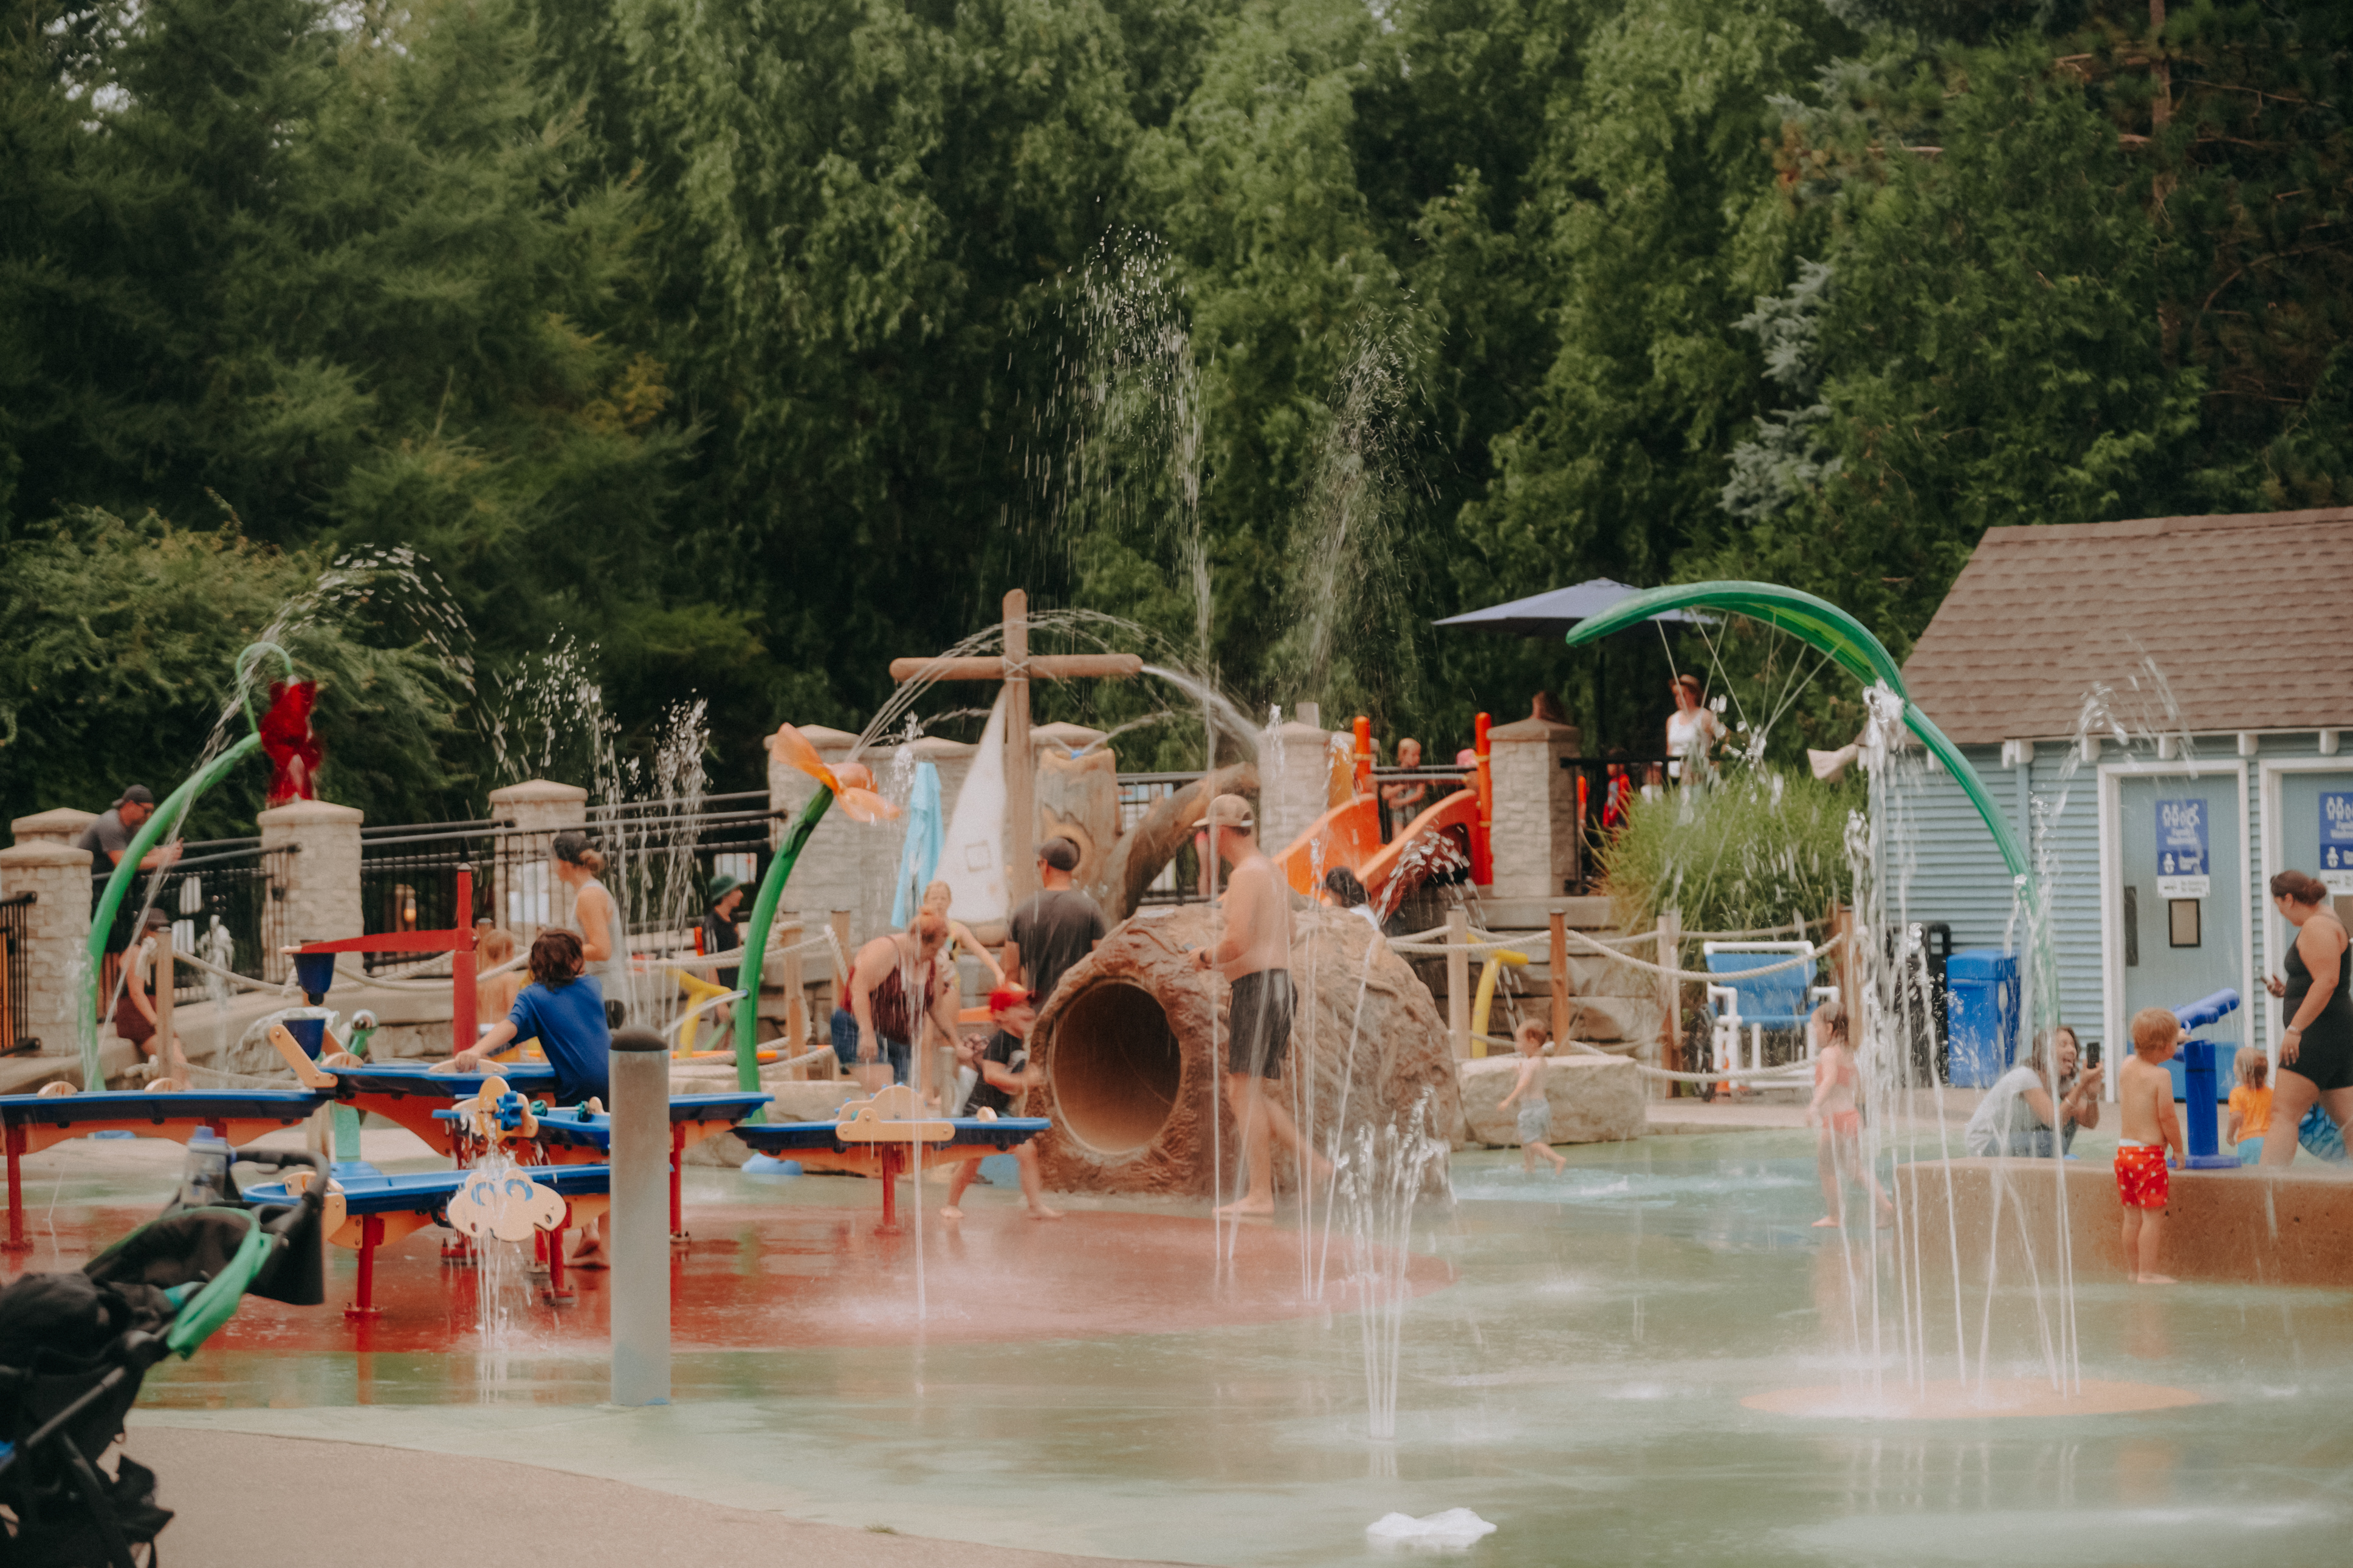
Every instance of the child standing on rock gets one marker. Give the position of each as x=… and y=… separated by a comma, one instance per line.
x=1535, y=1110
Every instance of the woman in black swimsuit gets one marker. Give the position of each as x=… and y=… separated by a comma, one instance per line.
x=2316, y=1052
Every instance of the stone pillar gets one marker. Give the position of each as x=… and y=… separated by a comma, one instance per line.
x=1294, y=771
x=1536, y=846
x=312, y=851
x=56, y=936
x=61, y=826
x=525, y=896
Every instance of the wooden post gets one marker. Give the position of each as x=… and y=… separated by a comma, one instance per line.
x=1671, y=990
x=1020, y=766
x=169, y=1061
x=795, y=1001
x=1559, y=961
x=1458, y=980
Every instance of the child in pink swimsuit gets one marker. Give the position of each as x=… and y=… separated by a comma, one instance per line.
x=1839, y=1147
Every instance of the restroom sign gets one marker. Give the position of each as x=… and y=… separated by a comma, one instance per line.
x=2336, y=840
x=2184, y=864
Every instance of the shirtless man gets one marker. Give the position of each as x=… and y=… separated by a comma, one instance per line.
x=1255, y=956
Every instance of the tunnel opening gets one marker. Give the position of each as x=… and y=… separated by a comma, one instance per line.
x=1115, y=1066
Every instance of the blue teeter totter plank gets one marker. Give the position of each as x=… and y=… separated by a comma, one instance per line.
x=971, y=1133
x=426, y=1193
x=410, y=1095
x=694, y=1117
x=33, y=1122
x=157, y=1107
x=400, y=1079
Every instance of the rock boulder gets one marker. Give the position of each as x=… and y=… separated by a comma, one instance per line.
x=1595, y=1100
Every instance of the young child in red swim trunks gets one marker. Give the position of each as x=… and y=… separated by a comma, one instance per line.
x=2145, y=1096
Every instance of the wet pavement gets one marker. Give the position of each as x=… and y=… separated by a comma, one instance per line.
x=1573, y=1367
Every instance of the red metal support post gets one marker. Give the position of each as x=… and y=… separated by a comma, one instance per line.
x=371, y=1237
x=677, y=1198
x=461, y=966
x=1364, y=729
x=18, y=1240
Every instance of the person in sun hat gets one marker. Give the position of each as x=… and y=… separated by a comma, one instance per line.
x=1006, y=1073
x=1254, y=955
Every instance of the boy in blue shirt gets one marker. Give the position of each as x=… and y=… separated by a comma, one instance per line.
x=565, y=1009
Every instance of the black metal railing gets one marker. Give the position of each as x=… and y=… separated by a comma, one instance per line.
x=225, y=900
x=13, y=956
x=1179, y=880
x=661, y=860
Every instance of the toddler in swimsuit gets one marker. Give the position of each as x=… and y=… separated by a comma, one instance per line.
x=2145, y=1095
x=1838, y=1149
x=1535, y=1110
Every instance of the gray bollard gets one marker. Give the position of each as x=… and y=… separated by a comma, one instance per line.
x=640, y=1218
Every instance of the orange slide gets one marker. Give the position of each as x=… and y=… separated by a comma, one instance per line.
x=1349, y=835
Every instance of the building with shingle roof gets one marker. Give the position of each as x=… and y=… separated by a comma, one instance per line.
x=2160, y=703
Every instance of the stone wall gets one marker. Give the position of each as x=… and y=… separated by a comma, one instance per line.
x=526, y=897
x=57, y=934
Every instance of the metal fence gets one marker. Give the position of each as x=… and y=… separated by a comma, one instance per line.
x=1179, y=880
x=226, y=899
x=13, y=1034
x=661, y=857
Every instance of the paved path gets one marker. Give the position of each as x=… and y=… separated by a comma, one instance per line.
x=359, y=1506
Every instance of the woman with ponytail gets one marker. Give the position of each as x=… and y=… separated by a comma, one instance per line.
x=576, y=864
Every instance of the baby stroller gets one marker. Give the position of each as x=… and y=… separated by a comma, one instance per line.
x=74, y=1347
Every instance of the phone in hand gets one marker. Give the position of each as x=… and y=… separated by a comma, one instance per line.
x=2092, y=1054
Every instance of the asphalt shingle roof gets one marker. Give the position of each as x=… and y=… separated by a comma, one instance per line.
x=2248, y=618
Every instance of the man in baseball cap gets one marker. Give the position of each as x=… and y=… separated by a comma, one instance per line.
x=108, y=839
x=1254, y=955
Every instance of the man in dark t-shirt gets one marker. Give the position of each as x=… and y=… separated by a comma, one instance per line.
x=1053, y=930
x=1005, y=1075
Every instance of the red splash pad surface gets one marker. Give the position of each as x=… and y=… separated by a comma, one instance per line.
x=766, y=1277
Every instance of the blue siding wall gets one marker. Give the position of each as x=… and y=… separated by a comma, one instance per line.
x=1955, y=873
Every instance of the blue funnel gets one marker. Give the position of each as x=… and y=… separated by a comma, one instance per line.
x=311, y=1034
x=315, y=972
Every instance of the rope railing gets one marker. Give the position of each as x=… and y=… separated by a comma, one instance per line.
x=1510, y=942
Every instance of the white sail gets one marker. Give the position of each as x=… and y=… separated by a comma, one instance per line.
x=973, y=864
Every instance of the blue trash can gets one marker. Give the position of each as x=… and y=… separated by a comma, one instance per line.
x=1981, y=1014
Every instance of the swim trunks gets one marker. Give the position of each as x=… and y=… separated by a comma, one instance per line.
x=1535, y=1121
x=1260, y=1023
x=2142, y=1180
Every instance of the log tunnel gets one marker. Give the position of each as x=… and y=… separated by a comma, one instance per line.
x=1127, y=1039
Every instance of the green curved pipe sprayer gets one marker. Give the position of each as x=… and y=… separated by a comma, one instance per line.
x=163, y=820
x=756, y=943
x=1822, y=626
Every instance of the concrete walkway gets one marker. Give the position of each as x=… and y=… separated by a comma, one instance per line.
x=359, y=1506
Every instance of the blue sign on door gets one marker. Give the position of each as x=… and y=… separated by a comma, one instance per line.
x=2184, y=865
x=2336, y=840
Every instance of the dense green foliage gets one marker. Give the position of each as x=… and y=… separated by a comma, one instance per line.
x=1762, y=849
x=755, y=344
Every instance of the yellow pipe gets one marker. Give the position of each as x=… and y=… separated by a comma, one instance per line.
x=1486, y=997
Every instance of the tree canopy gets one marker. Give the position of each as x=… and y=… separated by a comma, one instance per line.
x=753, y=345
